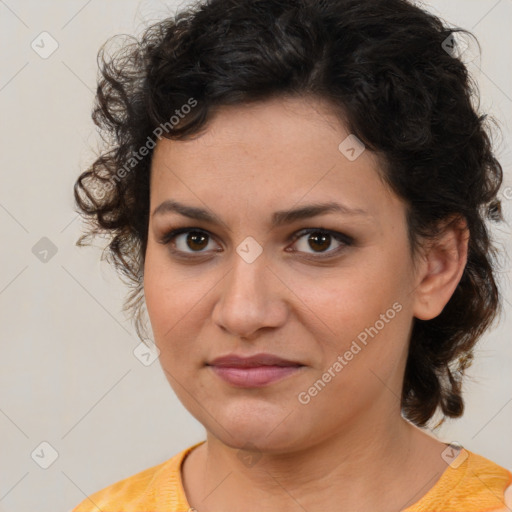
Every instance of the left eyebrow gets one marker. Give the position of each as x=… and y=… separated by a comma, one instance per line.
x=312, y=210
x=279, y=218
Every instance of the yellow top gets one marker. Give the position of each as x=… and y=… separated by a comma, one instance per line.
x=471, y=483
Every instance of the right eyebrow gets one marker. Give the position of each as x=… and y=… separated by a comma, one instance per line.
x=279, y=218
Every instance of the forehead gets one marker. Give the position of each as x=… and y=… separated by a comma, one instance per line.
x=266, y=155
x=276, y=127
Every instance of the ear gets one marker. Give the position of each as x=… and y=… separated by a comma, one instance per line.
x=441, y=269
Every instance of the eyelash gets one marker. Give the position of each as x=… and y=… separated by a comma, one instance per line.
x=345, y=240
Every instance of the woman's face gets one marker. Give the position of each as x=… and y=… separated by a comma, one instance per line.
x=254, y=282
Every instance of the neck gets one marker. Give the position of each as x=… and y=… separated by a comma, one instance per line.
x=389, y=461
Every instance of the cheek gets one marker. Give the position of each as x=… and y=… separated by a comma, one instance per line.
x=350, y=299
x=161, y=291
x=174, y=305
x=362, y=315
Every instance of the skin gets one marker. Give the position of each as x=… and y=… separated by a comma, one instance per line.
x=349, y=444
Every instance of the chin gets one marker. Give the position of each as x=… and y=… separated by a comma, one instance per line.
x=258, y=440
x=258, y=430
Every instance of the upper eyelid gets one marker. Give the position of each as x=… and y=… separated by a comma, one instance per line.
x=340, y=237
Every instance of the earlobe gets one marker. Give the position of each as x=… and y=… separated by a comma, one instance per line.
x=441, y=270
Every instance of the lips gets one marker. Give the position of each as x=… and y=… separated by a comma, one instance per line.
x=234, y=361
x=255, y=371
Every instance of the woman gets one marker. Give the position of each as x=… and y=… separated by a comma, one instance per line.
x=298, y=192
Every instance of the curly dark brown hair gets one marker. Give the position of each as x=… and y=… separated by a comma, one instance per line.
x=391, y=72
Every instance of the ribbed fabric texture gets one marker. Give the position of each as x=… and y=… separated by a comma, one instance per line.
x=474, y=485
x=156, y=489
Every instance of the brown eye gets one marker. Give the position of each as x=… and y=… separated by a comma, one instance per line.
x=312, y=241
x=196, y=240
x=321, y=241
x=187, y=240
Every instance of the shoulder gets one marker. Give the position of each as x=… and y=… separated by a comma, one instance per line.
x=157, y=486
x=136, y=487
x=486, y=483
x=471, y=483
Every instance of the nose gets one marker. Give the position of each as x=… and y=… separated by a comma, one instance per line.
x=250, y=298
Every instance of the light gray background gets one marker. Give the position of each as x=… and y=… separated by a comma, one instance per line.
x=68, y=373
